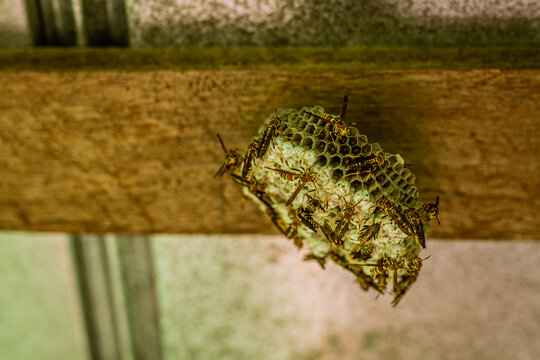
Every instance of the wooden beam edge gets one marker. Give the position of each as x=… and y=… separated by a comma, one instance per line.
x=302, y=58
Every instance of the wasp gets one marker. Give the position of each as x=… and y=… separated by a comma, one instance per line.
x=413, y=269
x=248, y=158
x=417, y=227
x=304, y=214
x=366, y=282
x=255, y=188
x=365, y=164
x=300, y=218
x=271, y=130
x=341, y=260
x=430, y=211
x=368, y=233
x=394, y=264
x=277, y=220
x=335, y=236
x=401, y=288
x=313, y=205
x=396, y=213
x=385, y=264
x=379, y=272
x=343, y=224
x=330, y=235
x=426, y=214
x=298, y=242
x=362, y=253
x=339, y=128
x=320, y=260
x=304, y=177
x=292, y=229
x=232, y=159
x=307, y=220
x=414, y=265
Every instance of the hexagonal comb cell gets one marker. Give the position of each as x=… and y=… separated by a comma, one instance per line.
x=320, y=145
x=310, y=129
x=297, y=139
x=302, y=125
x=307, y=142
x=392, y=160
x=303, y=185
x=322, y=160
x=376, y=148
x=366, y=149
x=344, y=149
x=337, y=174
x=356, y=150
x=331, y=149
x=335, y=161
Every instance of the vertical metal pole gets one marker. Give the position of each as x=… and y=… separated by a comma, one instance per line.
x=36, y=22
x=96, y=22
x=116, y=282
x=93, y=277
x=138, y=275
x=119, y=25
x=51, y=26
x=66, y=16
x=50, y=22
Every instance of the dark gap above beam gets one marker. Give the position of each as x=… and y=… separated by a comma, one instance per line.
x=290, y=58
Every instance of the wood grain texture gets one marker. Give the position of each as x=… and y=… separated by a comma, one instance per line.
x=135, y=152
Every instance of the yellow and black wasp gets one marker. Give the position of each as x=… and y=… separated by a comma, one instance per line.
x=396, y=213
x=339, y=129
x=233, y=158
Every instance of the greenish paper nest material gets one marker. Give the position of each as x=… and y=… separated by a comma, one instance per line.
x=324, y=185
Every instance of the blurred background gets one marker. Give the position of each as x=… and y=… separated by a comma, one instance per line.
x=163, y=23
x=74, y=295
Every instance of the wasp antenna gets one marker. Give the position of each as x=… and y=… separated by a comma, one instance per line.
x=437, y=201
x=222, y=144
x=344, y=107
x=427, y=257
x=306, y=194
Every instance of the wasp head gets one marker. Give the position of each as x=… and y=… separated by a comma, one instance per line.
x=431, y=210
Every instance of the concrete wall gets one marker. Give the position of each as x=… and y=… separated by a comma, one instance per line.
x=337, y=22
x=252, y=297
x=311, y=22
x=14, y=30
x=40, y=315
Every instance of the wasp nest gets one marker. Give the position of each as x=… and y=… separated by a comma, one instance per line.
x=322, y=183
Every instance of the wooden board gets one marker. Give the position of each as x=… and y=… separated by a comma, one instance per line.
x=135, y=152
